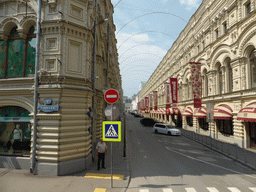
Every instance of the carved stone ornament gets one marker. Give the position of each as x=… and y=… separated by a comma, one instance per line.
x=52, y=3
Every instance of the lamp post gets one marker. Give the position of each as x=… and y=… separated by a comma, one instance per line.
x=94, y=75
x=33, y=158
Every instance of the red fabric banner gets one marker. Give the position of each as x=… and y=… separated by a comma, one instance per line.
x=196, y=83
x=146, y=103
x=167, y=89
x=174, y=91
x=155, y=99
x=150, y=101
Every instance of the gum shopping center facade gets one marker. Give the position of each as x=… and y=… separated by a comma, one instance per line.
x=221, y=35
x=64, y=136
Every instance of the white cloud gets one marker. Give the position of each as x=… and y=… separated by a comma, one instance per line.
x=138, y=58
x=190, y=3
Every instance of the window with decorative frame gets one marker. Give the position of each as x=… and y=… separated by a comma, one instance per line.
x=252, y=58
x=17, y=55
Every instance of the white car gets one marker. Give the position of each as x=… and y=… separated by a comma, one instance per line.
x=166, y=129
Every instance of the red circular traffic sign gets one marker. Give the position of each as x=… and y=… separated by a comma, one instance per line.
x=111, y=96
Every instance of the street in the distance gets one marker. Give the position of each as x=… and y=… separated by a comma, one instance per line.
x=175, y=163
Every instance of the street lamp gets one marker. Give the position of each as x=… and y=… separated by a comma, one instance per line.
x=94, y=75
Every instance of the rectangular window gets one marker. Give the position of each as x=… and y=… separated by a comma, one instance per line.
x=248, y=8
x=15, y=58
x=31, y=57
x=2, y=57
x=216, y=34
x=203, y=45
x=224, y=27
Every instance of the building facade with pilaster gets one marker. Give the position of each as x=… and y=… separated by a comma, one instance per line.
x=64, y=128
x=221, y=35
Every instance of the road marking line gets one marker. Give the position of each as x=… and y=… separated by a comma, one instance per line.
x=234, y=189
x=190, y=189
x=103, y=176
x=253, y=188
x=168, y=148
x=212, y=189
x=167, y=190
x=99, y=190
x=144, y=190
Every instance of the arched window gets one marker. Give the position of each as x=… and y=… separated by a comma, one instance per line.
x=219, y=79
x=229, y=77
x=252, y=58
x=17, y=55
x=205, y=83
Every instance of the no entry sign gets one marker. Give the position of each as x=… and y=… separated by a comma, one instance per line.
x=111, y=96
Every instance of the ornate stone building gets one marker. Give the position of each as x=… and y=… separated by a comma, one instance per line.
x=221, y=35
x=64, y=136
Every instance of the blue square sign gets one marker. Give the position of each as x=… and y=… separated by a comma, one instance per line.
x=111, y=131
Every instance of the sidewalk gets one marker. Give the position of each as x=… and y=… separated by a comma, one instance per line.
x=23, y=181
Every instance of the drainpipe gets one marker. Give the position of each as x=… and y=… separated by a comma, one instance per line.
x=93, y=81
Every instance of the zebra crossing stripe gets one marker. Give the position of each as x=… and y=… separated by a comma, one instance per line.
x=144, y=190
x=253, y=189
x=212, y=189
x=167, y=190
x=234, y=189
x=190, y=189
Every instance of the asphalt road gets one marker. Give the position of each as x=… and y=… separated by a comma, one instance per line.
x=176, y=163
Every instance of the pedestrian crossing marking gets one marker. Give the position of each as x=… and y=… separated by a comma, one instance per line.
x=190, y=189
x=234, y=189
x=104, y=176
x=167, y=190
x=212, y=189
x=111, y=132
x=99, y=190
x=144, y=190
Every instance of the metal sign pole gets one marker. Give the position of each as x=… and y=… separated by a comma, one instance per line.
x=111, y=151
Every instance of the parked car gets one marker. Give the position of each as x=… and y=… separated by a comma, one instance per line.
x=166, y=129
x=148, y=122
x=137, y=115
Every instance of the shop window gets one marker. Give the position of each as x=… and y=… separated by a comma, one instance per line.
x=17, y=57
x=252, y=133
x=189, y=121
x=203, y=124
x=15, y=131
x=225, y=126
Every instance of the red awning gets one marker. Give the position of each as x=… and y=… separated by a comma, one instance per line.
x=152, y=111
x=200, y=113
x=248, y=113
x=222, y=112
x=187, y=112
x=174, y=111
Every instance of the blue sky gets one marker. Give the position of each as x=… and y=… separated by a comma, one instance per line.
x=145, y=31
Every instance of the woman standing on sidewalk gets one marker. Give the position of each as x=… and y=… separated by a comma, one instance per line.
x=101, y=150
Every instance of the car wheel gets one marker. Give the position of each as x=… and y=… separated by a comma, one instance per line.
x=169, y=133
x=156, y=131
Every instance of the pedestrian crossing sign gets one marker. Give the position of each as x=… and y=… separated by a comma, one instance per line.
x=111, y=131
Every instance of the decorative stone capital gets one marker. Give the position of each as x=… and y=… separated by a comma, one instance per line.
x=52, y=3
